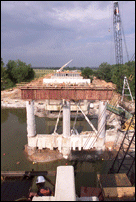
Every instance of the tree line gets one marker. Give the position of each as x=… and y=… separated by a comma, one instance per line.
x=18, y=71
x=15, y=72
x=115, y=74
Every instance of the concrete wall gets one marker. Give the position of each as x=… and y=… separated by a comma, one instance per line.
x=64, y=187
x=55, y=105
x=66, y=80
x=65, y=184
x=64, y=144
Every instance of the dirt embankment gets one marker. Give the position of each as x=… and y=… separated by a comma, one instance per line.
x=12, y=98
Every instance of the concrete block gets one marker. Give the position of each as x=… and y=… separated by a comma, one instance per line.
x=65, y=184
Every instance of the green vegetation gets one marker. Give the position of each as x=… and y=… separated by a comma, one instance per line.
x=15, y=72
x=41, y=72
x=87, y=72
x=114, y=74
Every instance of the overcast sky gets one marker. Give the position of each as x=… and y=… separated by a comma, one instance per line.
x=50, y=33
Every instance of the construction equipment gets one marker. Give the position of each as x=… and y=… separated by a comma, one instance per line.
x=63, y=66
x=118, y=31
x=131, y=77
x=117, y=34
x=129, y=125
x=124, y=161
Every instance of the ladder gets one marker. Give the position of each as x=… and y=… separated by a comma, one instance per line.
x=126, y=87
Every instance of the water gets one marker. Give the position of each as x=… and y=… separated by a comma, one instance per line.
x=14, y=137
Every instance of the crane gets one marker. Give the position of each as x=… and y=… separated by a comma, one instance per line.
x=117, y=34
x=125, y=158
x=59, y=70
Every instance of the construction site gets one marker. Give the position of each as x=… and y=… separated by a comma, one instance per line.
x=87, y=107
x=67, y=95
x=60, y=97
x=117, y=143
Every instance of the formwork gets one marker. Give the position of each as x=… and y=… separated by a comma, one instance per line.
x=67, y=93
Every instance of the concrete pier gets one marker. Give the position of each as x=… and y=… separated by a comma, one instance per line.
x=66, y=119
x=67, y=141
x=101, y=125
x=102, y=119
x=31, y=127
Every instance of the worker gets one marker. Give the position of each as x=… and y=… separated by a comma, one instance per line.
x=42, y=190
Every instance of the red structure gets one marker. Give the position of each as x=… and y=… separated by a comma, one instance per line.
x=66, y=92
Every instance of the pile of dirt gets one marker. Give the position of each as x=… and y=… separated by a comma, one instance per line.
x=38, y=81
x=99, y=82
x=14, y=93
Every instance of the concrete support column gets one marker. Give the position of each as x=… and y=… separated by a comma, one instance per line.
x=66, y=119
x=102, y=119
x=31, y=128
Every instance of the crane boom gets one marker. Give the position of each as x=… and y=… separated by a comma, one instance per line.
x=117, y=34
x=63, y=66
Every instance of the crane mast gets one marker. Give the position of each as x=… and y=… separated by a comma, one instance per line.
x=117, y=33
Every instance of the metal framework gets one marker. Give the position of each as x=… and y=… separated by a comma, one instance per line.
x=124, y=161
x=117, y=34
x=126, y=87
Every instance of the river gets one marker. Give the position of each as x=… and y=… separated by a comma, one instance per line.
x=14, y=137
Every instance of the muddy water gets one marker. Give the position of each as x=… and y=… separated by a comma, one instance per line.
x=14, y=137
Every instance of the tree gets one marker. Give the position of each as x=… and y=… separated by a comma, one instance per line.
x=4, y=77
x=104, y=72
x=117, y=77
x=2, y=63
x=86, y=72
x=2, y=68
x=18, y=71
x=116, y=73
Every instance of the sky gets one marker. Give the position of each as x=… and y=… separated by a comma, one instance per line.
x=51, y=33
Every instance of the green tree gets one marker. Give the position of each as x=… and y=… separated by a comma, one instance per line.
x=2, y=68
x=5, y=81
x=18, y=71
x=115, y=74
x=87, y=72
x=2, y=63
x=117, y=77
x=104, y=72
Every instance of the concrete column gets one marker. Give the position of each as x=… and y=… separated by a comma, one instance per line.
x=102, y=119
x=31, y=128
x=66, y=119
